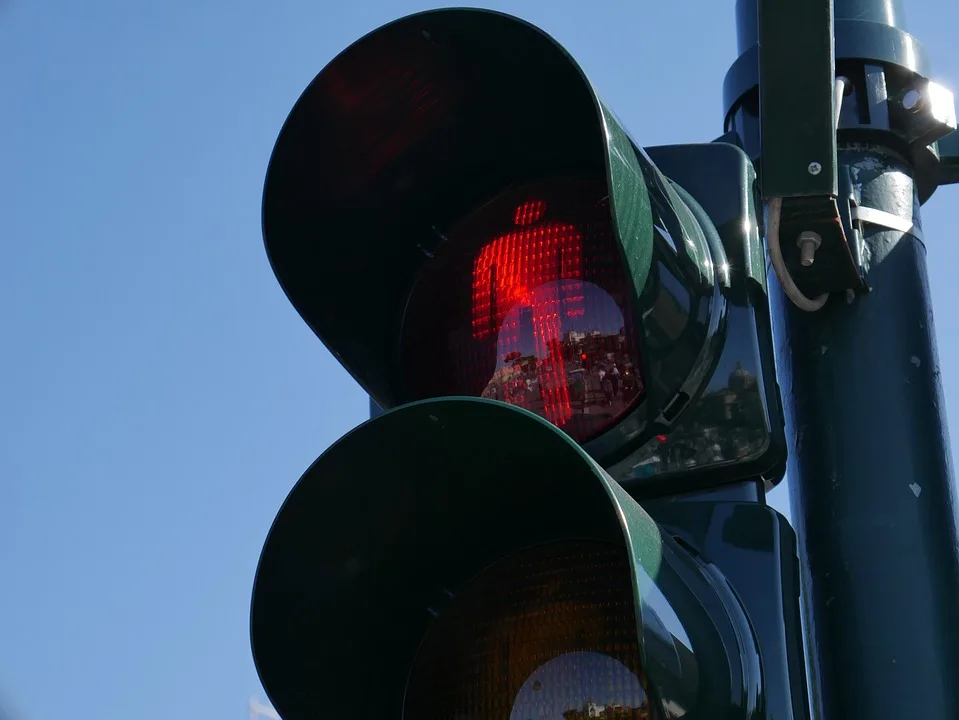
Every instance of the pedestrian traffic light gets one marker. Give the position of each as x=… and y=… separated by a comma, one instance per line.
x=559, y=324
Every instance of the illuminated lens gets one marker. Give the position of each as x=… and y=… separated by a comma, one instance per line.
x=528, y=302
x=547, y=634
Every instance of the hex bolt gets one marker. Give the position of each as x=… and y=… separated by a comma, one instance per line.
x=808, y=243
x=911, y=100
x=814, y=168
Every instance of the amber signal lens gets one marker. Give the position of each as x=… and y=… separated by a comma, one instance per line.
x=546, y=634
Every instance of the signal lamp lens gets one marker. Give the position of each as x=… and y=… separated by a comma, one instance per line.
x=547, y=633
x=528, y=302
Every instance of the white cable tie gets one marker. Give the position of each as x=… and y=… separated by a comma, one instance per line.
x=887, y=220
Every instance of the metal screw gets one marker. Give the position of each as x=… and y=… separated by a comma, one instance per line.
x=814, y=168
x=911, y=100
x=808, y=243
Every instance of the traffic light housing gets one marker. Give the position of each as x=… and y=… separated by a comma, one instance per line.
x=439, y=575
x=413, y=152
x=467, y=227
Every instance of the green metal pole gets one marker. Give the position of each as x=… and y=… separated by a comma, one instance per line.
x=871, y=481
x=870, y=476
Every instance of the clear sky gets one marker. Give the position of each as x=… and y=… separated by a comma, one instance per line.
x=159, y=394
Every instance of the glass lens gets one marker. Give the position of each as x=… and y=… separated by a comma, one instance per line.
x=528, y=302
x=547, y=634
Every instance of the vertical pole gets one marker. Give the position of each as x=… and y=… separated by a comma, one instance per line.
x=871, y=481
x=870, y=476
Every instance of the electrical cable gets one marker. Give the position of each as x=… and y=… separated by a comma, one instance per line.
x=794, y=294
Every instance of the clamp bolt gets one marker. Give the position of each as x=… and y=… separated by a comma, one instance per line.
x=808, y=243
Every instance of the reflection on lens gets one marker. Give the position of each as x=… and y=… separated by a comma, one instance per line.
x=564, y=365
x=580, y=685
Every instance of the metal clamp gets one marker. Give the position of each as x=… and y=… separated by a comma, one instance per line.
x=887, y=220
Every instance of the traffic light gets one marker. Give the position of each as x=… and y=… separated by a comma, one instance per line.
x=561, y=325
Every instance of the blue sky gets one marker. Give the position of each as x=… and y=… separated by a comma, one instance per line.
x=159, y=394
